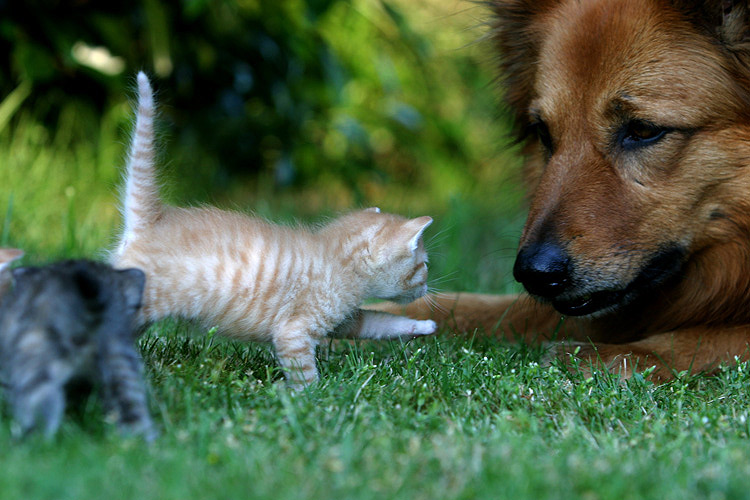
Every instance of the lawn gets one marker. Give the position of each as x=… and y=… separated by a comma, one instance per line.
x=447, y=417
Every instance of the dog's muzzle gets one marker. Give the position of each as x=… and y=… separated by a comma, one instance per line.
x=546, y=271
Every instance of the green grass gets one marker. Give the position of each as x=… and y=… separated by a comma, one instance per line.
x=444, y=417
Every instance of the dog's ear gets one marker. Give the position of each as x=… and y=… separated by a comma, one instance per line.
x=726, y=20
x=513, y=31
x=735, y=24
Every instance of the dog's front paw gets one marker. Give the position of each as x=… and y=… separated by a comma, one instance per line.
x=623, y=359
x=566, y=351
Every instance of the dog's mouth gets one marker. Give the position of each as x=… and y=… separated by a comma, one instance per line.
x=662, y=267
x=590, y=303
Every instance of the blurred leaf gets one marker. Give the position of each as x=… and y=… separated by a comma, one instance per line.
x=33, y=63
x=364, y=96
x=159, y=33
x=12, y=102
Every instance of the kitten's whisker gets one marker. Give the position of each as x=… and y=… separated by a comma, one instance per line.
x=437, y=239
x=444, y=278
x=439, y=295
x=433, y=304
x=440, y=234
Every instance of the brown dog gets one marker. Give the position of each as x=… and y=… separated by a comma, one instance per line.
x=636, y=120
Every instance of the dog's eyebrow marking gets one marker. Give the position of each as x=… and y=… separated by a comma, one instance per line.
x=622, y=105
x=622, y=102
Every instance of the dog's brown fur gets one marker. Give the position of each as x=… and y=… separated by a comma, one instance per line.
x=588, y=70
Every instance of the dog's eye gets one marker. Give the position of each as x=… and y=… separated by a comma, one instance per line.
x=539, y=128
x=637, y=133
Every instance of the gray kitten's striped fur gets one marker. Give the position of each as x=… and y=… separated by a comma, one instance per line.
x=66, y=322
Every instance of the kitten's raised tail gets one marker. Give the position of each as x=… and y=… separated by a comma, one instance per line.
x=141, y=205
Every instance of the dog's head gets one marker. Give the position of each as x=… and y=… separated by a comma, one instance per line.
x=635, y=116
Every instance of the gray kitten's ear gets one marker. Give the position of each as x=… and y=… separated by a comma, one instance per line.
x=134, y=281
x=416, y=227
x=372, y=209
x=21, y=272
x=12, y=277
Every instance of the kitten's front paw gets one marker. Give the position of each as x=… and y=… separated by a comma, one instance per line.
x=425, y=327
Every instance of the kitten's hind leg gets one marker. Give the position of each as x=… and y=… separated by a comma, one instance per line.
x=295, y=350
x=38, y=401
x=123, y=388
x=365, y=324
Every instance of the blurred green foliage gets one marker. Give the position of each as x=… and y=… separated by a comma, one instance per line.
x=291, y=110
x=362, y=94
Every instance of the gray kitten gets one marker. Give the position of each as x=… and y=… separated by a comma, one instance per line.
x=67, y=322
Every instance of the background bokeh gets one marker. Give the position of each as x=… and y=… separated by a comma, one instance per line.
x=289, y=109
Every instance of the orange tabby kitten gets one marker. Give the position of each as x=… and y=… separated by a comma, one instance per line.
x=257, y=281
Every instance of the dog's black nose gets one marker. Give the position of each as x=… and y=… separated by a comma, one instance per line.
x=543, y=269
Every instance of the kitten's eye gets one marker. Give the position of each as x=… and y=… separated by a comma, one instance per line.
x=637, y=134
x=541, y=131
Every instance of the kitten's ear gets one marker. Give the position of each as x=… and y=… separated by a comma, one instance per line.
x=135, y=281
x=22, y=272
x=372, y=209
x=416, y=227
x=8, y=255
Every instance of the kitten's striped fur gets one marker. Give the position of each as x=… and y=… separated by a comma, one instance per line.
x=71, y=321
x=257, y=281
